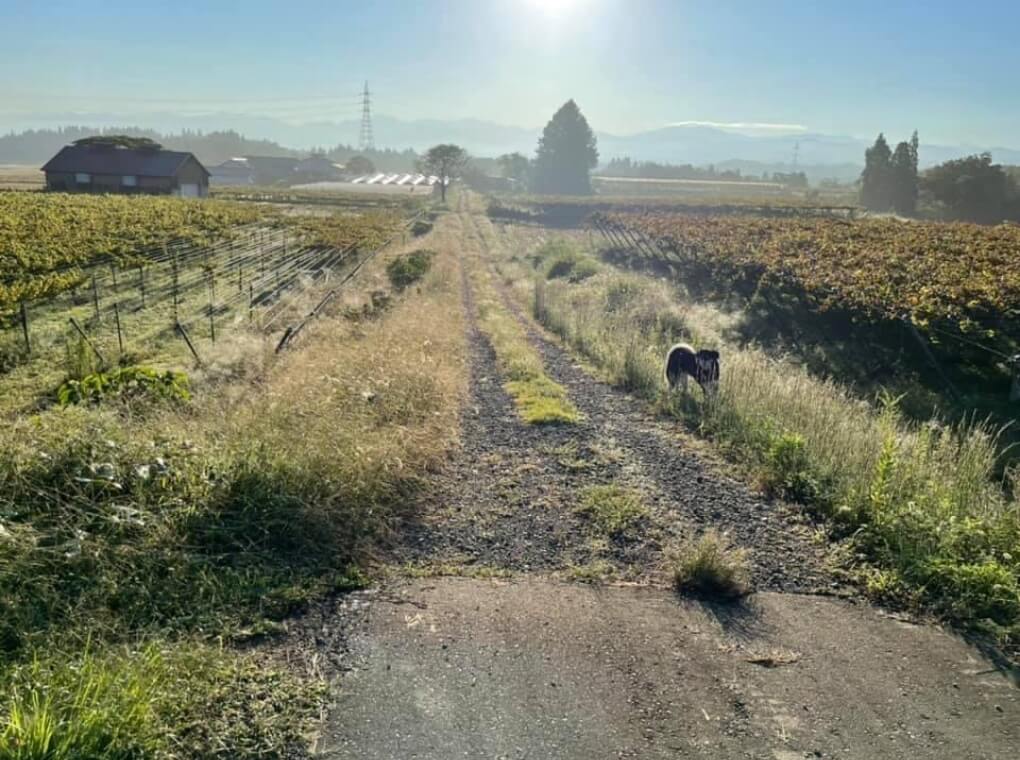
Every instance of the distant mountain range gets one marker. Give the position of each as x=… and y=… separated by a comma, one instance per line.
x=820, y=156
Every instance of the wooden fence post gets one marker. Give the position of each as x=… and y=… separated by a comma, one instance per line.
x=175, y=285
x=120, y=337
x=95, y=295
x=24, y=327
x=141, y=283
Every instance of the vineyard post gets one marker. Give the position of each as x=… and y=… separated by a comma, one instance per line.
x=95, y=295
x=113, y=275
x=141, y=283
x=608, y=229
x=175, y=284
x=24, y=327
x=240, y=277
x=212, y=304
x=89, y=343
x=251, y=302
x=187, y=339
x=116, y=319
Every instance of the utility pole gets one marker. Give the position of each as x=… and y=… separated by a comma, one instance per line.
x=365, y=140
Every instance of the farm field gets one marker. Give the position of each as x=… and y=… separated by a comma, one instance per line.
x=856, y=298
x=21, y=177
x=160, y=280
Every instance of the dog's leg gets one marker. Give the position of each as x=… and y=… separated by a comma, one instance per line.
x=683, y=383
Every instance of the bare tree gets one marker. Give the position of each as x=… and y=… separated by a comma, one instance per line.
x=446, y=162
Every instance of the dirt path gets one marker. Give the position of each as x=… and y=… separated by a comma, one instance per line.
x=537, y=667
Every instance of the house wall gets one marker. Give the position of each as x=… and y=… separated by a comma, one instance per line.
x=192, y=172
x=112, y=183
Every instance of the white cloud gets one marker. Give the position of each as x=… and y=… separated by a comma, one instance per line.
x=749, y=126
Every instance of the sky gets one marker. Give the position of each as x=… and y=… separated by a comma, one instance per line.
x=945, y=67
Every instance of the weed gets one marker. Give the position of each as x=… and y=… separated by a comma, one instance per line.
x=132, y=383
x=710, y=567
x=409, y=268
x=421, y=227
x=612, y=509
x=787, y=470
x=593, y=572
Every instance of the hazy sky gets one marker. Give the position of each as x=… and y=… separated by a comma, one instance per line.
x=947, y=67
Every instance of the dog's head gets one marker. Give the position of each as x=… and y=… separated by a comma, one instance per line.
x=708, y=365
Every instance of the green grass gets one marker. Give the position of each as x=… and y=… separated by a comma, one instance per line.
x=539, y=399
x=161, y=701
x=922, y=503
x=709, y=567
x=611, y=508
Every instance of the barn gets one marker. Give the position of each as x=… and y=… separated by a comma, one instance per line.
x=106, y=168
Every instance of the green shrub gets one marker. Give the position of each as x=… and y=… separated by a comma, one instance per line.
x=568, y=262
x=421, y=227
x=408, y=269
x=134, y=383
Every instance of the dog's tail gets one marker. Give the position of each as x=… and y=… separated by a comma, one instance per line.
x=674, y=363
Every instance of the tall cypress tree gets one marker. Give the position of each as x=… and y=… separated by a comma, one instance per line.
x=876, y=179
x=903, y=177
x=567, y=152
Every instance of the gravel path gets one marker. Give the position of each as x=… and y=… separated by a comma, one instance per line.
x=508, y=500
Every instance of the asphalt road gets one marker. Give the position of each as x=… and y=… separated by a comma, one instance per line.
x=458, y=668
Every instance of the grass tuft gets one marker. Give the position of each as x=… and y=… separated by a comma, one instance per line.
x=612, y=509
x=710, y=567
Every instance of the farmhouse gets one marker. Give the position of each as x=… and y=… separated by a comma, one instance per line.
x=106, y=168
x=235, y=171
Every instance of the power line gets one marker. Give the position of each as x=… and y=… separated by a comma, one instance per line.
x=365, y=140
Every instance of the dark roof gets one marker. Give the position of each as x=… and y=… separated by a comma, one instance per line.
x=96, y=159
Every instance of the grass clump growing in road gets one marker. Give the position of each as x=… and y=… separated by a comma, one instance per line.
x=612, y=509
x=710, y=567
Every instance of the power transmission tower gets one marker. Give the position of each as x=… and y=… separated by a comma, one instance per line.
x=366, y=141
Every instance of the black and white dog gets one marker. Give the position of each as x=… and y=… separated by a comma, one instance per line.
x=683, y=361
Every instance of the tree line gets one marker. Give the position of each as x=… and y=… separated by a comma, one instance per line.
x=970, y=189
x=36, y=146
